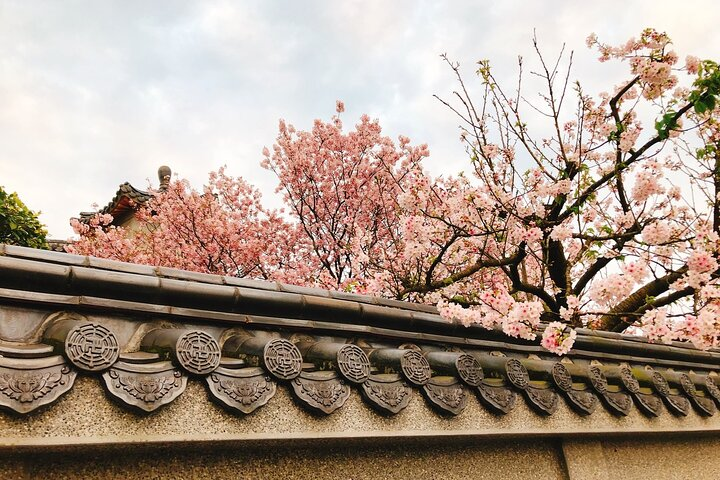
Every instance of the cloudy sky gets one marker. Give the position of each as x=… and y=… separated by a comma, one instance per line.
x=95, y=93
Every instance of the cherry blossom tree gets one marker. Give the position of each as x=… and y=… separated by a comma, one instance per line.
x=342, y=189
x=576, y=210
x=595, y=219
x=222, y=229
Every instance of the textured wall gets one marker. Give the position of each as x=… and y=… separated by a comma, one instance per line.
x=86, y=415
x=667, y=457
x=483, y=460
x=86, y=435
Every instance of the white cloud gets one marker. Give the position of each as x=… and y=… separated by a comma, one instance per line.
x=96, y=93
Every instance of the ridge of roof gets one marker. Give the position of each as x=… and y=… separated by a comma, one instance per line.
x=145, y=331
x=213, y=296
x=125, y=191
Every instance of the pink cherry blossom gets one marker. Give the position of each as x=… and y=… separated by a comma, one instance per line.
x=692, y=64
x=603, y=217
x=558, y=338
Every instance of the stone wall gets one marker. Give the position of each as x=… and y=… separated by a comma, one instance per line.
x=85, y=435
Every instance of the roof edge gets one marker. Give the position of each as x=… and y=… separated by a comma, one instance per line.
x=40, y=271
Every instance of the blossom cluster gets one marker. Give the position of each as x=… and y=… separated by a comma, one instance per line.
x=558, y=338
x=602, y=220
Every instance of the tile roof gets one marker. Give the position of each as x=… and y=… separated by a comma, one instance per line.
x=244, y=338
x=127, y=199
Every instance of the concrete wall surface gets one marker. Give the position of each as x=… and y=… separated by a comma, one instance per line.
x=85, y=435
x=483, y=460
x=568, y=459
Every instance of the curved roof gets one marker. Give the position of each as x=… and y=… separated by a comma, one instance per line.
x=127, y=199
x=323, y=342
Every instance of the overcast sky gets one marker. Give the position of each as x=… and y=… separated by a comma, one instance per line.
x=95, y=93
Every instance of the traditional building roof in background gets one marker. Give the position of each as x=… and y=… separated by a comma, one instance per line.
x=123, y=205
x=127, y=200
x=57, y=245
x=244, y=338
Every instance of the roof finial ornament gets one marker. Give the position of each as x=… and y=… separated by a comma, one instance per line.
x=164, y=173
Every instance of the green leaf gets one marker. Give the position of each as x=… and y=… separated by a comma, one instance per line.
x=711, y=102
x=18, y=224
